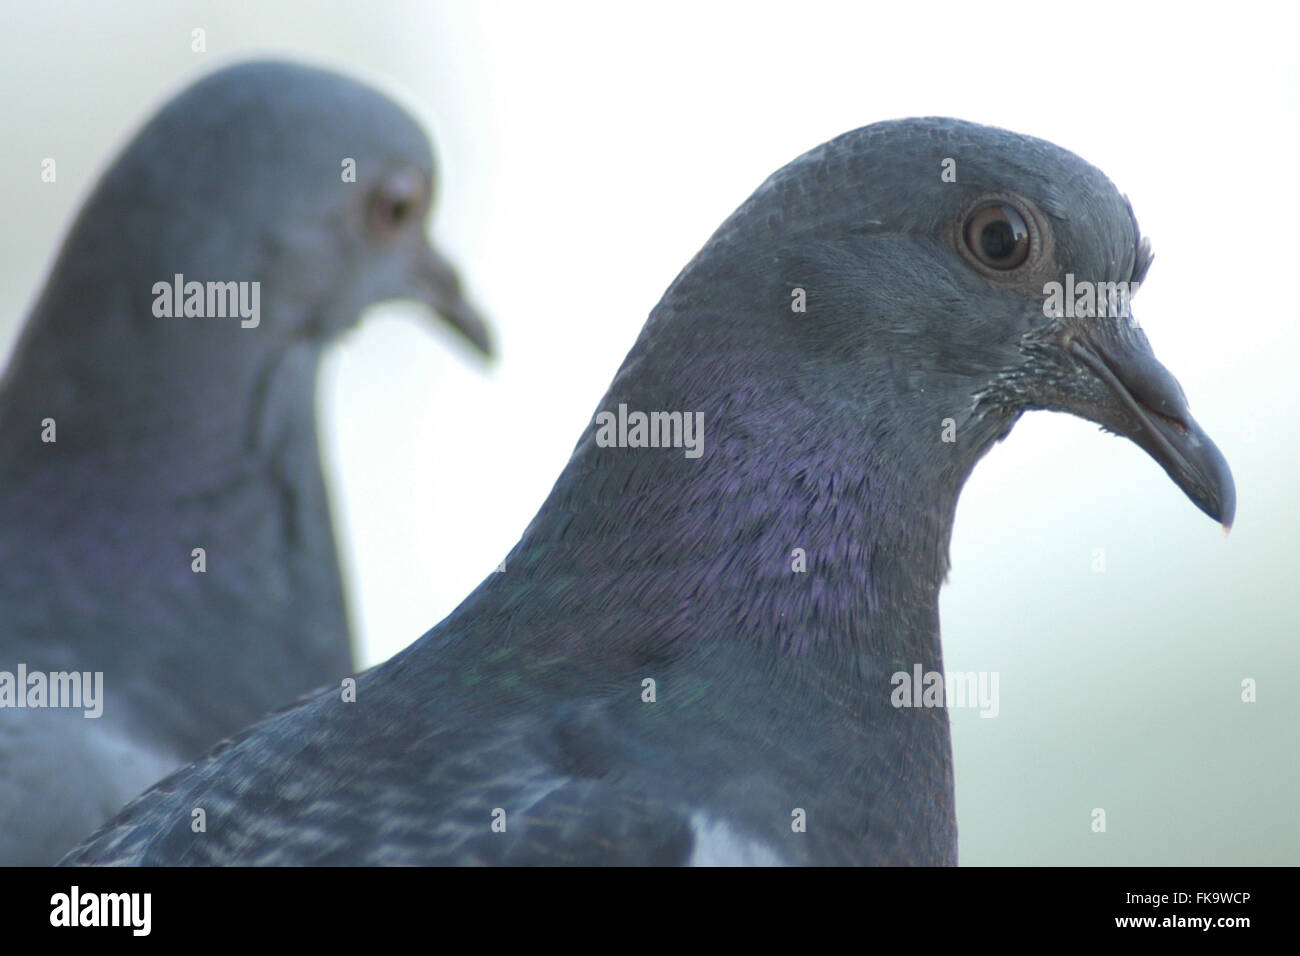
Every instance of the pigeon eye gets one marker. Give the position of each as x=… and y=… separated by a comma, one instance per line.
x=998, y=236
x=395, y=203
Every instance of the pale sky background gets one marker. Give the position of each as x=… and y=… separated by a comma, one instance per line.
x=589, y=150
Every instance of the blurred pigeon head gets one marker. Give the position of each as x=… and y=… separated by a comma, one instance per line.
x=314, y=187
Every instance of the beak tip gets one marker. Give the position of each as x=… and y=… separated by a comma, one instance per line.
x=1214, y=492
x=470, y=326
x=481, y=339
x=1223, y=488
x=1228, y=511
x=439, y=287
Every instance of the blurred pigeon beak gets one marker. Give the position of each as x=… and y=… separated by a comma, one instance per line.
x=1150, y=409
x=437, y=284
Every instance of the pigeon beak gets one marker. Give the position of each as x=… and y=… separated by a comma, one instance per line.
x=1148, y=407
x=437, y=284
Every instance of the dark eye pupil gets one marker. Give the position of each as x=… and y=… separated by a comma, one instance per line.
x=998, y=240
x=387, y=212
x=998, y=236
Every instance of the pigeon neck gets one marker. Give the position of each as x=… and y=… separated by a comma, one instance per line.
x=152, y=497
x=179, y=411
x=803, y=524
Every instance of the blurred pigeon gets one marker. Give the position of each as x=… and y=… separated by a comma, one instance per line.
x=163, y=516
x=693, y=654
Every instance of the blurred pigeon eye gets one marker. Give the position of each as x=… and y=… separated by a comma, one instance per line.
x=395, y=202
x=998, y=236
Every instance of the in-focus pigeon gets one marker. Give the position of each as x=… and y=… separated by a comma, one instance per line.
x=163, y=516
x=655, y=678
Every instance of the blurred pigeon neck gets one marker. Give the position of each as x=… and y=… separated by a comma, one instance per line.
x=195, y=413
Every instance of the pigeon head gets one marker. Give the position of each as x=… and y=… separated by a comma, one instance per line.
x=1004, y=267
x=993, y=269
x=322, y=185
x=260, y=210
